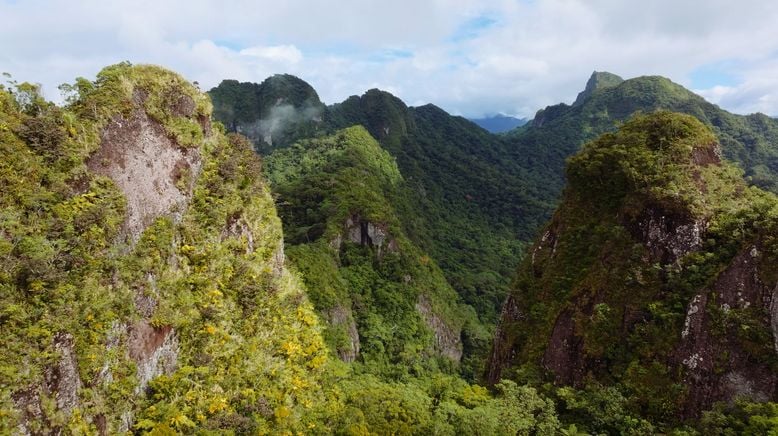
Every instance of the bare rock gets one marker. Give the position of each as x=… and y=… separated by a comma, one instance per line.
x=363, y=232
x=668, y=237
x=774, y=316
x=341, y=316
x=237, y=227
x=503, y=346
x=448, y=340
x=154, y=174
x=154, y=350
x=704, y=355
x=63, y=379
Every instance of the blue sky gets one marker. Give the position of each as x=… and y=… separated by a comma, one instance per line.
x=470, y=57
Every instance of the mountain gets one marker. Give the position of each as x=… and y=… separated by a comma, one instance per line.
x=499, y=123
x=558, y=131
x=274, y=113
x=478, y=198
x=597, y=81
x=145, y=289
x=469, y=200
x=655, y=276
x=142, y=256
x=336, y=197
x=470, y=208
x=464, y=202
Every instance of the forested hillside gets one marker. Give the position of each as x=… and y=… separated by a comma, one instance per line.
x=144, y=286
x=478, y=198
x=558, y=131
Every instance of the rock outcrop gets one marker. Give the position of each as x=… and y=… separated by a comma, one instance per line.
x=340, y=317
x=719, y=362
x=448, y=341
x=363, y=232
x=155, y=174
x=647, y=288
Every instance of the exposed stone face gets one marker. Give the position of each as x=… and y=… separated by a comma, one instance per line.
x=154, y=350
x=61, y=381
x=238, y=228
x=704, y=355
x=154, y=174
x=704, y=156
x=668, y=237
x=503, y=347
x=714, y=366
x=341, y=316
x=448, y=340
x=774, y=316
x=28, y=403
x=564, y=356
x=545, y=248
x=364, y=232
x=279, y=258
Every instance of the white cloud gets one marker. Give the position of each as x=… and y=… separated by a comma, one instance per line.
x=288, y=54
x=521, y=55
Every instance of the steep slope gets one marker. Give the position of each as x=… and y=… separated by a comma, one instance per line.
x=597, y=81
x=387, y=303
x=143, y=269
x=558, y=131
x=478, y=197
x=469, y=207
x=464, y=201
x=143, y=287
x=657, y=275
x=274, y=113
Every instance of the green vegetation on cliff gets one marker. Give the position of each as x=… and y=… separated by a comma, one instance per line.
x=143, y=286
x=388, y=304
x=184, y=325
x=652, y=277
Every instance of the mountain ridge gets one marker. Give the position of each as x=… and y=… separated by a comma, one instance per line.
x=638, y=263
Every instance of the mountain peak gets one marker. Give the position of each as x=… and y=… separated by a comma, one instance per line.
x=598, y=80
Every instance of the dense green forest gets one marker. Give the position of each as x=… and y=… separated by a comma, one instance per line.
x=144, y=286
x=479, y=198
x=654, y=278
x=161, y=277
x=517, y=179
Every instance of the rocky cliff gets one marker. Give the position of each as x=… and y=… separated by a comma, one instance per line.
x=387, y=303
x=143, y=263
x=657, y=274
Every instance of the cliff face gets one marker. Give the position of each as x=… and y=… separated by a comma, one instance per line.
x=387, y=304
x=655, y=275
x=143, y=262
x=274, y=113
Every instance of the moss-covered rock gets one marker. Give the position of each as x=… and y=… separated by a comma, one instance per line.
x=143, y=285
x=656, y=274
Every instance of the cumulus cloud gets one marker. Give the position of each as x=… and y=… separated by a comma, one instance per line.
x=469, y=57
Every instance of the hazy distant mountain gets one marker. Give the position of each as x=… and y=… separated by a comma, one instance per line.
x=499, y=123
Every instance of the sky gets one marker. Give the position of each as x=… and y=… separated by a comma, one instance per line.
x=471, y=58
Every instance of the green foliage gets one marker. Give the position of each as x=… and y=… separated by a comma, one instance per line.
x=249, y=351
x=742, y=418
x=275, y=113
x=323, y=185
x=594, y=266
x=649, y=160
x=600, y=410
x=444, y=405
